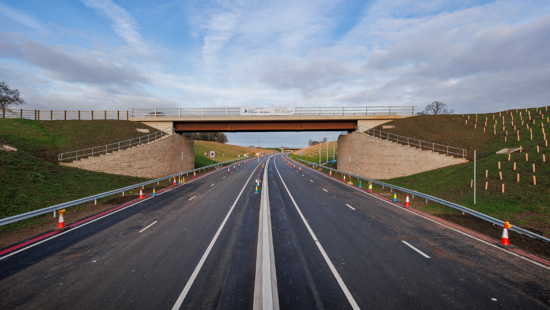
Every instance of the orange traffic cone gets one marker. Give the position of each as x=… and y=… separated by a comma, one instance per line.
x=174, y=180
x=299, y=169
x=61, y=224
x=233, y=167
x=140, y=194
x=294, y=166
x=194, y=174
x=505, y=241
x=344, y=178
x=228, y=170
x=330, y=173
x=407, y=204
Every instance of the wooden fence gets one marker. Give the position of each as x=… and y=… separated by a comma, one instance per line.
x=51, y=115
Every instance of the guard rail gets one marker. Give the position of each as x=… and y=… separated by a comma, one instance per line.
x=449, y=204
x=64, y=205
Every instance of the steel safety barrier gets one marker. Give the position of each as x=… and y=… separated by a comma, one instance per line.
x=64, y=205
x=449, y=204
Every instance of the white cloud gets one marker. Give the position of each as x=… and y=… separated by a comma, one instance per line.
x=124, y=25
x=20, y=17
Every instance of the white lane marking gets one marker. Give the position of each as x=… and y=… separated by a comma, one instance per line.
x=148, y=226
x=212, y=184
x=303, y=175
x=97, y=219
x=417, y=250
x=311, y=181
x=187, y=287
x=441, y=224
x=320, y=247
x=223, y=178
x=325, y=190
x=350, y=207
x=192, y=198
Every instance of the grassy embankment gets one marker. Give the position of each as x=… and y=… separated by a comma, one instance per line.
x=523, y=202
x=31, y=179
x=311, y=153
x=230, y=151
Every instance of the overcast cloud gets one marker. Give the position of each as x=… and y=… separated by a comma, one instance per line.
x=476, y=56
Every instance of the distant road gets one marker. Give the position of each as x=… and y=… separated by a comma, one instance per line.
x=194, y=247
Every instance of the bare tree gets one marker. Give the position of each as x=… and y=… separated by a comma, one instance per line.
x=436, y=108
x=9, y=96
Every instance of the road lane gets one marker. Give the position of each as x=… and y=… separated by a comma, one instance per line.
x=109, y=264
x=383, y=272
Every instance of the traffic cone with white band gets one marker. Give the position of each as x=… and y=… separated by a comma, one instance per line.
x=61, y=223
x=174, y=180
x=407, y=204
x=140, y=194
x=344, y=178
x=194, y=174
x=370, y=187
x=505, y=240
x=330, y=173
x=299, y=169
x=228, y=170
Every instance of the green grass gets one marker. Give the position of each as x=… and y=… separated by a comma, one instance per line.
x=522, y=202
x=31, y=179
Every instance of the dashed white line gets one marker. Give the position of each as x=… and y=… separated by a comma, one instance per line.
x=350, y=207
x=223, y=178
x=335, y=273
x=417, y=250
x=192, y=198
x=311, y=181
x=212, y=184
x=325, y=190
x=148, y=226
x=303, y=175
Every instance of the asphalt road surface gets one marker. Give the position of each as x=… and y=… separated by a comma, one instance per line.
x=194, y=247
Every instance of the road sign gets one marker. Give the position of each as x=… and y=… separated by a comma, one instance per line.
x=212, y=154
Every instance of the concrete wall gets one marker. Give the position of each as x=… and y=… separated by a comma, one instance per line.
x=160, y=125
x=381, y=159
x=370, y=123
x=153, y=160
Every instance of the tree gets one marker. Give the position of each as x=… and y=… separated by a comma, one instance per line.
x=209, y=136
x=436, y=108
x=9, y=96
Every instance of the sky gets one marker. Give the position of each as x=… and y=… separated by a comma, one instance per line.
x=475, y=56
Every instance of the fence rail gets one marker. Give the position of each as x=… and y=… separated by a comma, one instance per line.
x=39, y=115
x=449, y=204
x=299, y=111
x=64, y=205
x=113, y=147
x=423, y=145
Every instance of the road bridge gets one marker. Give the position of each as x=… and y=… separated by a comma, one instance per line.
x=269, y=119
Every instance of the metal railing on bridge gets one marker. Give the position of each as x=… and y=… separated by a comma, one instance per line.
x=51, y=115
x=423, y=145
x=113, y=147
x=299, y=111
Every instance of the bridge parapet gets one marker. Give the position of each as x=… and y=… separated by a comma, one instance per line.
x=288, y=112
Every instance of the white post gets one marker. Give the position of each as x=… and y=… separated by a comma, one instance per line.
x=475, y=177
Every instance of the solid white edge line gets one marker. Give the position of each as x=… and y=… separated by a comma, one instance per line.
x=192, y=198
x=417, y=250
x=195, y=273
x=335, y=273
x=444, y=225
x=99, y=218
x=148, y=226
x=350, y=207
